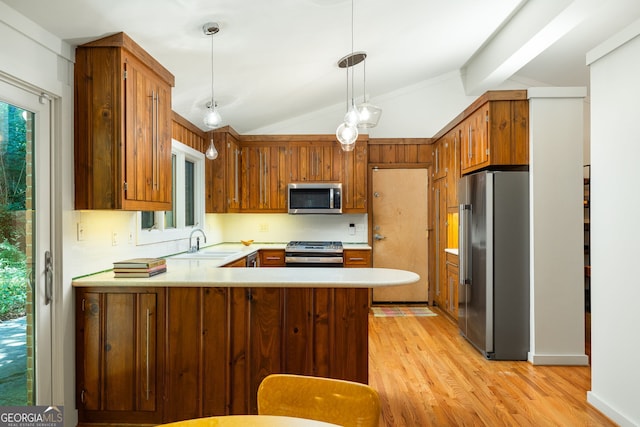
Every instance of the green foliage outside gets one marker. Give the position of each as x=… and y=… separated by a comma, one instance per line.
x=13, y=282
x=13, y=196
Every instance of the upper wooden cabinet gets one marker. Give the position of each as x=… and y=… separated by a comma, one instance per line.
x=264, y=177
x=440, y=157
x=496, y=133
x=254, y=171
x=122, y=127
x=453, y=168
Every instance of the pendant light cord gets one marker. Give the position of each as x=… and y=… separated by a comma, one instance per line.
x=212, y=101
x=351, y=59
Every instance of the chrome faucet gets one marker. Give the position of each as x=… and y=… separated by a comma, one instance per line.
x=196, y=247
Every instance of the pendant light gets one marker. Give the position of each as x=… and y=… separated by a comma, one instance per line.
x=212, y=119
x=211, y=152
x=364, y=115
x=347, y=132
x=368, y=113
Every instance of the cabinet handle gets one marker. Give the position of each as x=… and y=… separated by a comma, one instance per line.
x=259, y=178
x=82, y=396
x=265, y=173
x=274, y=258
x=356, y=259
x=235, y=189
x=157, y=132
x=155, y=170
x=437, y=206
x=147, y=353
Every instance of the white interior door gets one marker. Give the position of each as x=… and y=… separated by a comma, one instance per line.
x=399, y=221
x=25, y=138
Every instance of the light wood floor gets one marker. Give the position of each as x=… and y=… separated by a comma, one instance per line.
x=428, y=375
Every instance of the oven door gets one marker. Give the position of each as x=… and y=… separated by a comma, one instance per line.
x=313, y=260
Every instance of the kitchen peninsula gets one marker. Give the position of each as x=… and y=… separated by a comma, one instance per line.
x=197, y=340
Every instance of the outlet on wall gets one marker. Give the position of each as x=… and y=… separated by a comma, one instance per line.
x=114, y=238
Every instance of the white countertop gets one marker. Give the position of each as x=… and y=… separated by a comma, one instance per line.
x=189, y=272
x=194, y=273
x=453, y=251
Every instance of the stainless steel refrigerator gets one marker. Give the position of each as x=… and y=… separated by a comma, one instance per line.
x=493, y=292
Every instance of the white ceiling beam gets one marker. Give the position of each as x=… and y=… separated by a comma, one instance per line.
x=535, y=26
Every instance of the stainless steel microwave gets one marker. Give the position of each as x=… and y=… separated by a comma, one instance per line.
x=315, y=198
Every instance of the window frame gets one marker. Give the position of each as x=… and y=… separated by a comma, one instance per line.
x=160, y=233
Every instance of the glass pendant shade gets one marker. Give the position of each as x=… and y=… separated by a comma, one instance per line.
x=212, y=119
x=347, y=135
x=211, y=152
x=351, y=117
x=368, y=115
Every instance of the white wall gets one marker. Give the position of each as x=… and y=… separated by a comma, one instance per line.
x=615, y=176
x=557, y=264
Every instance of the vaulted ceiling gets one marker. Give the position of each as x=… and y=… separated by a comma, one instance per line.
x=277, y=59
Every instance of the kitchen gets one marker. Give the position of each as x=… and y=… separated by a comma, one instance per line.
x=99, y=226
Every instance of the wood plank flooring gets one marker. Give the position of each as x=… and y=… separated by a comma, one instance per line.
x=428, y=375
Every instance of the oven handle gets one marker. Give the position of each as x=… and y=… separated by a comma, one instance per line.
x=314, y=259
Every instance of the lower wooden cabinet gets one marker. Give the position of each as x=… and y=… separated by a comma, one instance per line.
x=146, y=356
x=119, y=355
x=451, y=305
x=272, y=258
x=357, y=258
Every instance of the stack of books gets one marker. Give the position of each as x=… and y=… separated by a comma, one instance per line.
x=139, y=267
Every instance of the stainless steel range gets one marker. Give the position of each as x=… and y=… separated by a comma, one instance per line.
x=314, y=254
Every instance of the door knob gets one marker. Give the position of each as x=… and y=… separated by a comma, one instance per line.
x=378, y=236
x=376, y=194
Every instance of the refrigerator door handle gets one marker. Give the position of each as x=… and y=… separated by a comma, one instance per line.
x=464, y=231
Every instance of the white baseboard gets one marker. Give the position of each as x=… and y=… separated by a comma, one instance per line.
x=559, y=359
x=603, y=407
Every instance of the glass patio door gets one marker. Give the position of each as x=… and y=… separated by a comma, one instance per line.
x=26, y=275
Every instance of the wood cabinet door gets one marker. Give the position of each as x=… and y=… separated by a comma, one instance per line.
x=354, y=178
x=147, y=163
x=440, y=157
x=317, y=161
x=264, y=180
x=119, y=374
x=453, y=168
x=232, y=176
x=440, y=227
x=452, y=286
x=475, y=139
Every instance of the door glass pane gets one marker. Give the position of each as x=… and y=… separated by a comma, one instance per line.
x=147, y=218
x=17, y=233
x=189, y=193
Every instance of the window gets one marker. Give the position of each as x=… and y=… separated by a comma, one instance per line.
x=188, y=200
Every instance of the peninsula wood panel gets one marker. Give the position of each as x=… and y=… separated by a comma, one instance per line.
x=184, y=345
